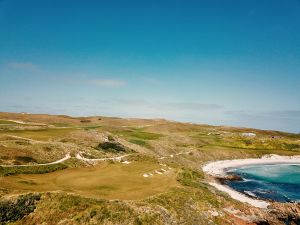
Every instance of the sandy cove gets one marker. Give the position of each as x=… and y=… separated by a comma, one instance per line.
x=219, y=169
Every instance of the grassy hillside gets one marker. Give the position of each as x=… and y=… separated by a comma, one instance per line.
x=158, y=181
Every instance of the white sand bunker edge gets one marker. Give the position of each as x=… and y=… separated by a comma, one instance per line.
x=219, y=168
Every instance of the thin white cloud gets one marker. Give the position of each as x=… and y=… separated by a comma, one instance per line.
x=191, y=106
x=149, y=80
x=77, y=78
x=108, y=82
x=270, y=114
x=28, y=66
x=285, y=120
x=170, y=106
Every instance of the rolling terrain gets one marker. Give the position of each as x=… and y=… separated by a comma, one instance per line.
x=57, y=169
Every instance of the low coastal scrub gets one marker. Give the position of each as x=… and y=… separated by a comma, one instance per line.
x=40, y=134
x=13, y=210
x=7, y=171
x=190, y=178
x=188, y=206
x=71, y=209
x=175, y=207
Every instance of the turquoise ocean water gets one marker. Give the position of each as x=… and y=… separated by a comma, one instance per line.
x=275, y=182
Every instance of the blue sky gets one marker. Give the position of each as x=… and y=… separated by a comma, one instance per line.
x=233, y=62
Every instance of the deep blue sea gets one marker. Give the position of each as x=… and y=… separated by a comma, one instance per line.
x=275, y=182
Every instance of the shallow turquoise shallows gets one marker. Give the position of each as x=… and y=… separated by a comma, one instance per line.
x=275, y=182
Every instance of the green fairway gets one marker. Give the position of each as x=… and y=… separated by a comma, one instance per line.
x=110, y=181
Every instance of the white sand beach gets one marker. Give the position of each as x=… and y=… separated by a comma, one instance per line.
x=219, y=169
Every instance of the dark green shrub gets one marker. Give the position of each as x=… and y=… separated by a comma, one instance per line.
x=85, y=121
x=25, y=159
x=93, y=213
x=15, y=210
x=247, y=142
x=111, y=146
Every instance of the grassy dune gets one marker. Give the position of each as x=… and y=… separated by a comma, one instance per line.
x=41, y=134
x=8, y=171
x=118, y=193
x=7, y=122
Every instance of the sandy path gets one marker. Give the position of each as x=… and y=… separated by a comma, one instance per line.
x=172, y=156
x=27, y=123
x=117, y=158
x=78, y=155
x=67, y=156
x=22, y=138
